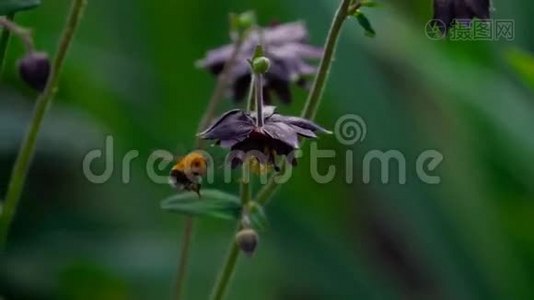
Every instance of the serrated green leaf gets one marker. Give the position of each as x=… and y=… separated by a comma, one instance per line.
x=365, y=23
x=12, y=6
x=213, y=203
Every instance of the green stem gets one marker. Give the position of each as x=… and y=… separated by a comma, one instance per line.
x=314, y=98
x=226, y=273
x=258, y=79
x=22, y=163
x=23, y=34
x=185, y=248
x=4, y=42
x=245, y=185
x=267, y=191
x=209, y=113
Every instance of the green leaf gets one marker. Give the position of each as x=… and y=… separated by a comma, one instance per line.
x=257, y=216
x=523, y=64
x=212, y=203
x=369, y=3
x=11, y=6
x=365, y=23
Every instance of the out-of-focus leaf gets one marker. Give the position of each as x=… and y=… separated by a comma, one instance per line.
x=258, y=216
x=369, y=3
x=12, y=6
x=213, y=203
x=523, y=63
x=365, y=23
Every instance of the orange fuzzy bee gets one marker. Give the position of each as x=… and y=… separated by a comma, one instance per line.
x=188, y=171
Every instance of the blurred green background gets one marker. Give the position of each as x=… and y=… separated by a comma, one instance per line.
x=131, y=75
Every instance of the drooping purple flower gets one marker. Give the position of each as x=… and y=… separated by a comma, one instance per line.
x=279, y=135
x=288, y=50
x=447, y=11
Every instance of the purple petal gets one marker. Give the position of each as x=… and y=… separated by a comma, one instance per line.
x=215, y=57
x=283, y=133
x=232, y=124
x=304, y=132
x=286, y=33
x=298, y=122
x=268, y=111
x=229, y=143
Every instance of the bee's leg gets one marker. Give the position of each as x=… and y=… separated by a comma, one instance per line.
x=196, y=188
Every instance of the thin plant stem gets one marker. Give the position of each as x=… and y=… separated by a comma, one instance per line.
x=24, y=158
x=316, y=93
x=228, y=268
x=267, y=191
x=4, y=42
x=227, y=271
x=23, y=34
x=258, y=79
x=315, y=96
x=185, y=248
x=209, y=113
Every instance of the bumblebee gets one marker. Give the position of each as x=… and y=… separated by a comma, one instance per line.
x=187, y=173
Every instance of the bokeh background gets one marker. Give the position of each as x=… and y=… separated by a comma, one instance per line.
x=131, y=75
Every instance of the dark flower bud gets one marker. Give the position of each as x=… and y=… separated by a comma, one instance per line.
x=261, y=65
x=247, y=240
x=34, y=69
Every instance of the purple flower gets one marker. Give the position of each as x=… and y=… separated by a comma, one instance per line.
x=287, y=48
x=447, y=11
x=279, y=135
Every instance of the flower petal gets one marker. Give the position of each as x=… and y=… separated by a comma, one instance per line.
x=283, y=133
x=286, y=33
x=287, y=48
x=304, y=132
x=232, y=124
x=268, y=111
x=298, y=122
x=229, y=143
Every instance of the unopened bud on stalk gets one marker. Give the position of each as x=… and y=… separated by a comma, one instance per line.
x=34, y=69
x=261, y=65
x=247, y=240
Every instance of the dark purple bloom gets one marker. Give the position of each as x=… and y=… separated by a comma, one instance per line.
x=35, y=69
x=279, y=135
x=287, y=48
x=447, y=11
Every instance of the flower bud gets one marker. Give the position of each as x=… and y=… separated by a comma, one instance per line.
x=261, y=65
x=34, y=69
x=242, y=23
x=247, y=240
x=246, y=20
